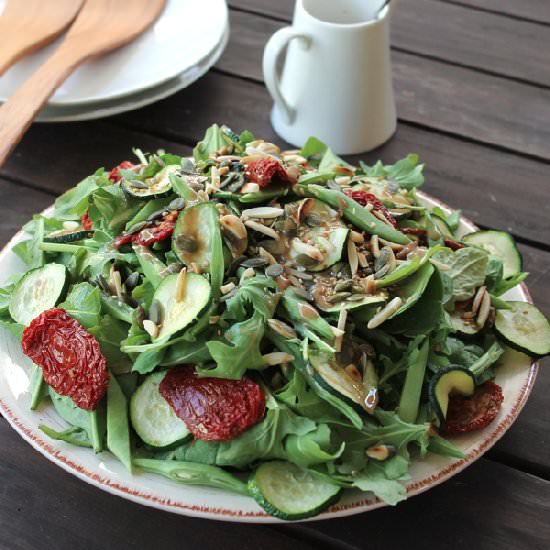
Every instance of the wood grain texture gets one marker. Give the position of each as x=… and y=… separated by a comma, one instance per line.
x=488, y=506
x=492, y=187
x=41, y=506
x=455, y=34
x=25, y=28
x=430, y=93
x=534, y=10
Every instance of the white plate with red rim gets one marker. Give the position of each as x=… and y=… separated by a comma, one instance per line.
x=516, y=375
x=185, y=34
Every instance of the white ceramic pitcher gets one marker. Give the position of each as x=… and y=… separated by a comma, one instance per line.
x=336, y=81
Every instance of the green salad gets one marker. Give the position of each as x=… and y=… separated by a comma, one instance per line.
x=281, y=325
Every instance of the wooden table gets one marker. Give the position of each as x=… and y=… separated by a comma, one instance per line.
x=472, y=79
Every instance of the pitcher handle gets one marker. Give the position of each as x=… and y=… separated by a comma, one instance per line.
x=272, y=52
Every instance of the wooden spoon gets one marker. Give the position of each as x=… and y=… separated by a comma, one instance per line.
x=101, y=26
x=28, y=26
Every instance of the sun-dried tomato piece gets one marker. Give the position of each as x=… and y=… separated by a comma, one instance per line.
x=364, y=198
x=154, y=233
x=453, y=245
x=70, y=357
x=86, y=222
x=214, y=409
x=265, y=171
x=114, y=174
x=466, y=414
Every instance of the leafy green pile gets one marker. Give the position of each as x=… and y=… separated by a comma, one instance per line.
x=344, y=337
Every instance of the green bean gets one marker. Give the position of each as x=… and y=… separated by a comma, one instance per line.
x=150, y=264
x=193, y=473
x=38, y=387
x=487, y=359
x=118, y=428
x=354, y=213
x=410, y=395
x=303, y=313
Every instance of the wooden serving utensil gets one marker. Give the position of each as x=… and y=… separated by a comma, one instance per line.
x=101, y=26
x=28, y=26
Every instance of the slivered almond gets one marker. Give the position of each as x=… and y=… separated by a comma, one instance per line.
x=180, y=285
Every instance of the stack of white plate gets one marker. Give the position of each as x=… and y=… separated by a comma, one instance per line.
x=186, y=40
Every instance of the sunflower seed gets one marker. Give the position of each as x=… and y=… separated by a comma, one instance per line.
x=277, y=358
x=187, y=244
x=71, y=225
x=262, y=212
x=274, y=270
x=478, y=298
x=254, y=262
x=132, y=281
x=282, y=328
x=385, y=313
x=380, y=452
x=177, y=204
x=155, y=312
x=343, y=285
x=374, y=247
x=484, y=310
x=138, y=184
x=338, y=297
x=260, y=228
x=150, y=328
x=357, y=237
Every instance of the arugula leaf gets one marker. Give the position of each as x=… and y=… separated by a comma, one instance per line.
x=312, y=448
x=297, y=395
x=252, y=295
x=405, y=172
x=74, y=202
x=83, y=303
x=321, y=156
x=112, y=209
x=212, y=141
x=30, y=251
x=373, y=478
x=232, y=360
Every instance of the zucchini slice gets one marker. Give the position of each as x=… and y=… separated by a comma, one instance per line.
x=448, y=381
x=501, y=245
x=153, y=418
x=290, y=492
x=322, y=228
x=176, y=315
x=332, y=376
x=152, y=188
x=40, y=289
x=69, y=237
x=193, y=235
x=524, y=328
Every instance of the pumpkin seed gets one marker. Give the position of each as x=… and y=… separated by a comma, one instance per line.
x=355, y=298
x=274, y=270
x=382, y=272
x=343, y=285
x=156, y=215
x=102, y=283
x=136, y=228
x=384, y=258
x=177, y=204
x=187, y=244
x=187, y=166
x=155, y=312
x=132, y=281
x=138, y=184
x=313, y=219
x=338, y=297
x=282, y=328
x=259, y=261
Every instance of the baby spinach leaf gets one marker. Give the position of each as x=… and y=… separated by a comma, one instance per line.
x=83, y=303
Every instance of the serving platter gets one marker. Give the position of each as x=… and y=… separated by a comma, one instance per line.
x=516, y=375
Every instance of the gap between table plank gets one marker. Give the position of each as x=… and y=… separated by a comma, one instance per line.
x=491, y=110
x=454, y=34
